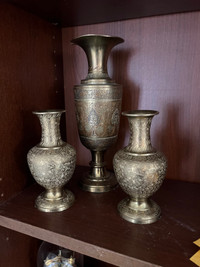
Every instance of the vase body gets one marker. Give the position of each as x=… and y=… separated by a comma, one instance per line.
x=98, y=107
x=140, y=170
x=52, y=163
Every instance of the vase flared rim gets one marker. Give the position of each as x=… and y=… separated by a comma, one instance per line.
x=140, y=113
x=74, y=40
x=49, y=111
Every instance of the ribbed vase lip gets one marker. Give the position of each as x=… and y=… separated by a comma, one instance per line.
x=49, y=111
x=140, y=113
x=75, y=40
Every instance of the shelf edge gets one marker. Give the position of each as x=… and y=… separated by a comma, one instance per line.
x=73, y=244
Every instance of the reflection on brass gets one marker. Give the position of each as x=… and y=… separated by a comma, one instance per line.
x=140, y=170
x=98, y=107
x=52, y=163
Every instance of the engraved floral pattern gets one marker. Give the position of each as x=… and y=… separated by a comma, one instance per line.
x=115, y=117
x=95, y=93
x=93, y=118
x=140, y=135
x=53, y=167
x=52, y=161
x=139, y=176
x=139, y=169
x=50, y=129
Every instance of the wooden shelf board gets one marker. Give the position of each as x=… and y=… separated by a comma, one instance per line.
x=93, y=227
x=77, y=12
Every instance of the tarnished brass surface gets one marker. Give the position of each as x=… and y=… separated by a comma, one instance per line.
x=98, y=180
x=140, y=170
x=98, y=108
x=52, y=163
x=55, y=201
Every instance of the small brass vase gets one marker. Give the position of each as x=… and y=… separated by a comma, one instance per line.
x=52, y=163
x=140, y=170
x=98, y=108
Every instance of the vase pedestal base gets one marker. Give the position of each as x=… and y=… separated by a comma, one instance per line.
x=98, y=184
x=61, y=203
x=139, y=211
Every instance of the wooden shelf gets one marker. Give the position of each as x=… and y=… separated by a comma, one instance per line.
x=77, y=12
x=93, y=227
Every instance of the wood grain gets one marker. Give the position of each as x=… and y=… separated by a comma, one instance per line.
x=78, y=12
x=30, y=68
x=158, y=66
x=93, y=227
x=30, y=79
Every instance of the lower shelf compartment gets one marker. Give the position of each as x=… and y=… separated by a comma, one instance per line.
x=93, y=227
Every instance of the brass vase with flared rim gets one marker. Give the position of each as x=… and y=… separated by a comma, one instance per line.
x=52, y=163
x=98, y=108
x=140, y=170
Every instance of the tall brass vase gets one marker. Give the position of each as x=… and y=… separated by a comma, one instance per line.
x=98, y=107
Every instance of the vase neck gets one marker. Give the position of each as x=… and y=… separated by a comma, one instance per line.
x=50, y=124
x=97, y=49
x=140, y=141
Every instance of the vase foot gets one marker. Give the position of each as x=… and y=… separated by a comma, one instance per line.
x=98, y=184
x=142, y=212
x=55, y=204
